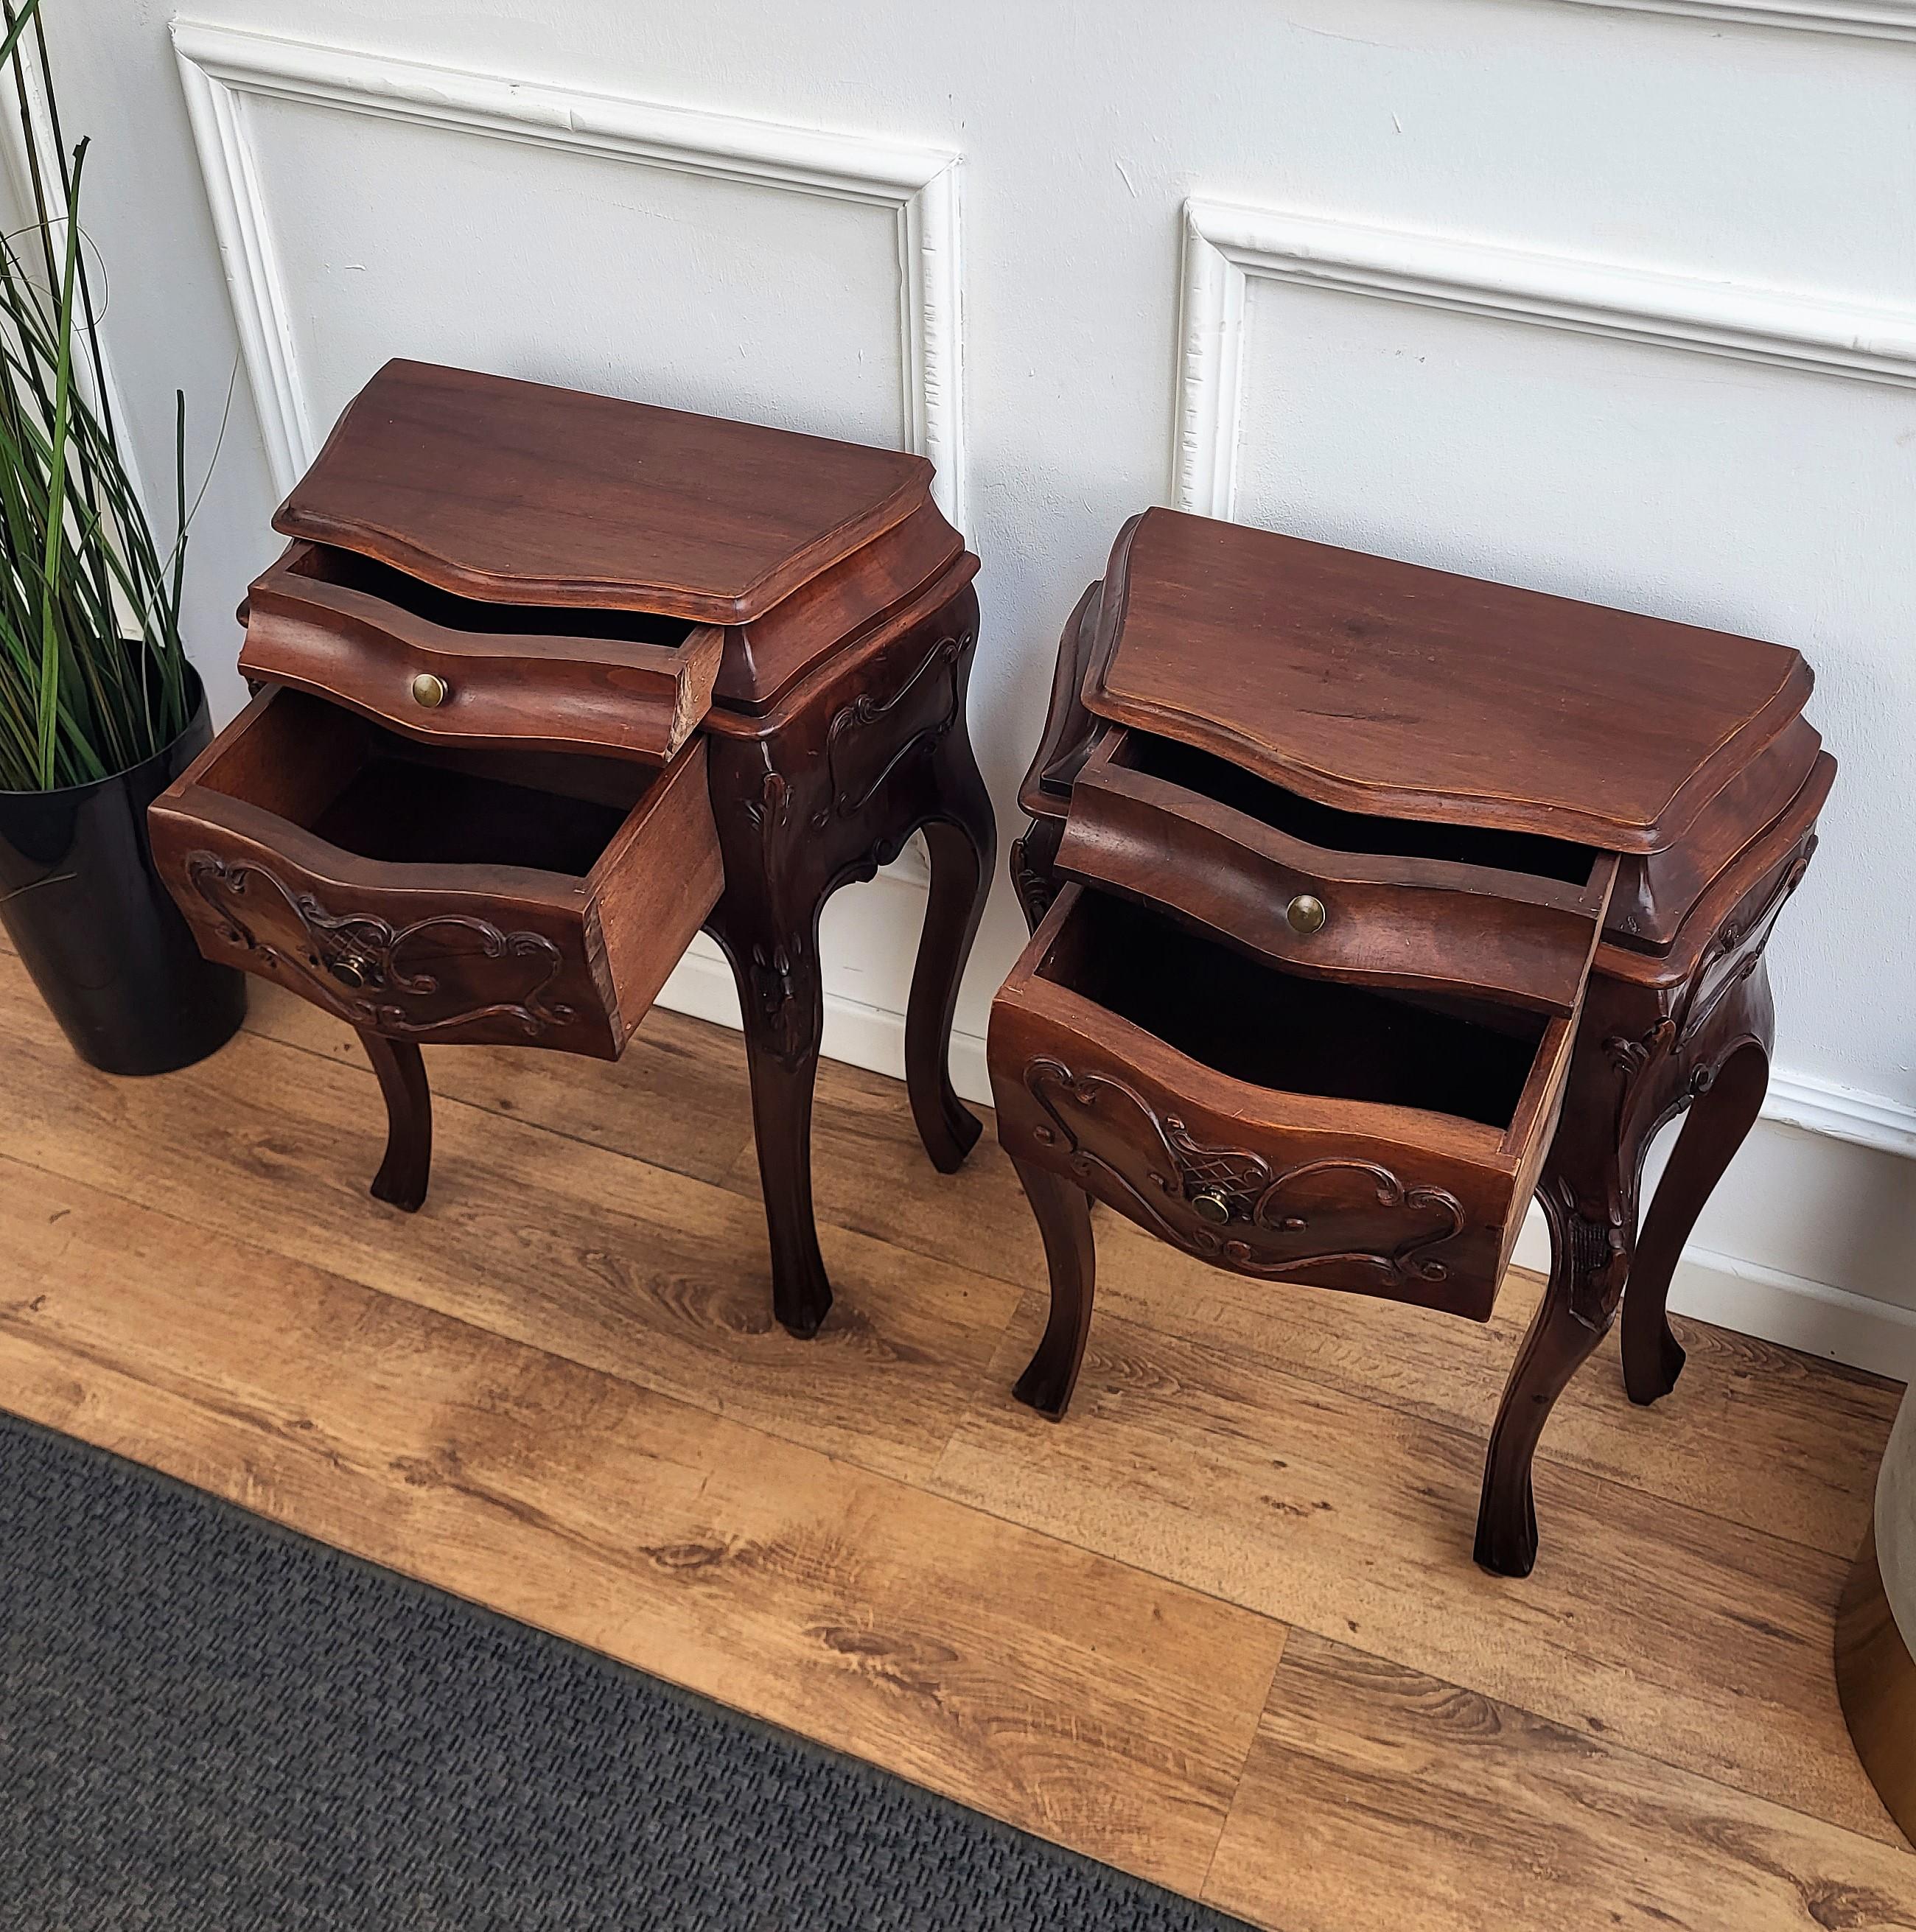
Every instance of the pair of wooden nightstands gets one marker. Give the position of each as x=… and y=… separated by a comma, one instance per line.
x=1368, y=900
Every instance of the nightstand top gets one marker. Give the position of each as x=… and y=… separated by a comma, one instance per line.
x=1386, y=687
x=515, y=493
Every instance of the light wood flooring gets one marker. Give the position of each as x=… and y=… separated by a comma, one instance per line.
x=1221, y=1627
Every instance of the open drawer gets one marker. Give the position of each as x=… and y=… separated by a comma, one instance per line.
x=1288, y=1127
x=437, y=894
x=447, y=669
x=1387, y=902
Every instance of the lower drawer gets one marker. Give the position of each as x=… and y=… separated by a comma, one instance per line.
x=437, y=894
x=1293, y=1128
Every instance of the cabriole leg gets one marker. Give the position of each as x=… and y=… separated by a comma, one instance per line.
x=404, y=1172
x=1063, y=1218
x=1589, y=1258
x=963, y=844
x=1728, y=1094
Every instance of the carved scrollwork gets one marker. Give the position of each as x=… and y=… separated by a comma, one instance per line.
x=1259, y=1199
x=357, y=963
x=1735, y=950
x=1630, y=1056
x=1593, y=1251
x=780, y=976
x=852, y=791
x=1032, y=877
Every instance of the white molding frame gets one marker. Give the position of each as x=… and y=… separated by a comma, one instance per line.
x=219, y=68
x=1225, y=246
x=1865, y=19
x=1842, y=1114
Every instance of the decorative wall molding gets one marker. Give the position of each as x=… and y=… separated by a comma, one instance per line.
x=1226, y=247
x=221, y=69
x=1867, y=19
x=1843, y=1114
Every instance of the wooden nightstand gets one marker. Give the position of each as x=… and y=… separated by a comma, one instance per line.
x=1368, y=900
x=549, y=681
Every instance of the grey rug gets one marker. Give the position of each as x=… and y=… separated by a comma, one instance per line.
x=208, y=1724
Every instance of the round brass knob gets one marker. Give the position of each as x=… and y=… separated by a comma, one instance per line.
x=349, y=969
x=1212, y=1204
x=1305, y=914
x=429, y=691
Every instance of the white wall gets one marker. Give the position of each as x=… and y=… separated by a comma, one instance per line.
x=1618, y=301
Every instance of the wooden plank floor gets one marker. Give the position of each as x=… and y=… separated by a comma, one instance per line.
x=1221, y=1627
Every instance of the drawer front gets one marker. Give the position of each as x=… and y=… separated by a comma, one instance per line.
x=439, y=683
x=426, y=966
x=1368, y=1198
x=1378, y=919
x=469, y=953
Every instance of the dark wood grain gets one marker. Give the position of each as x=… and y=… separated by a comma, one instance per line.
x=1317, y=667
x=518, y=493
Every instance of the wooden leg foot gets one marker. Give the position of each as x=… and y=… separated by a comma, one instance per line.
x=1589, y=1260
x=782, y=1001
x=1719, y=1118
x=962, y=849
x=404, y=1173
x=1063, y=1218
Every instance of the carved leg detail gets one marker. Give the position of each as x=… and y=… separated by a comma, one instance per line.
x=403, y=1175
x=1063, y=1218
x=962, y=848
x=1588, y=1260
x=1035, y=870
x=782, y=1003
x=1719, y=1118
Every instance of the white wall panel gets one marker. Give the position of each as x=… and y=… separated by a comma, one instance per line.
x=701, y=292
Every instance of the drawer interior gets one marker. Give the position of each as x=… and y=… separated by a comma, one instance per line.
x=351, y=571
x=372, y=792
x=1333, y=830
x=1257, y=1023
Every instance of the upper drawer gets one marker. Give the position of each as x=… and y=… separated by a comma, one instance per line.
x=444, y=667
x=437, y=894
x=1286, y=1127
x=1340, y=894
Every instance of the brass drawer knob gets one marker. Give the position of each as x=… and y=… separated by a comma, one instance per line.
x=351, y=969
x=1212, y=1204
x=1305, y=914
x=429, y=691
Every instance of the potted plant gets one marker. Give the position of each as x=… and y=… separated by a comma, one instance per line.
x=99, y=709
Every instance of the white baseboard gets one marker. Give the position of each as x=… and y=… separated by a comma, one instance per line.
x=1809, y=1316
x=701, y=986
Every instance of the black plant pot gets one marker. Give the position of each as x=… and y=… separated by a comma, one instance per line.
x=103, y=941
